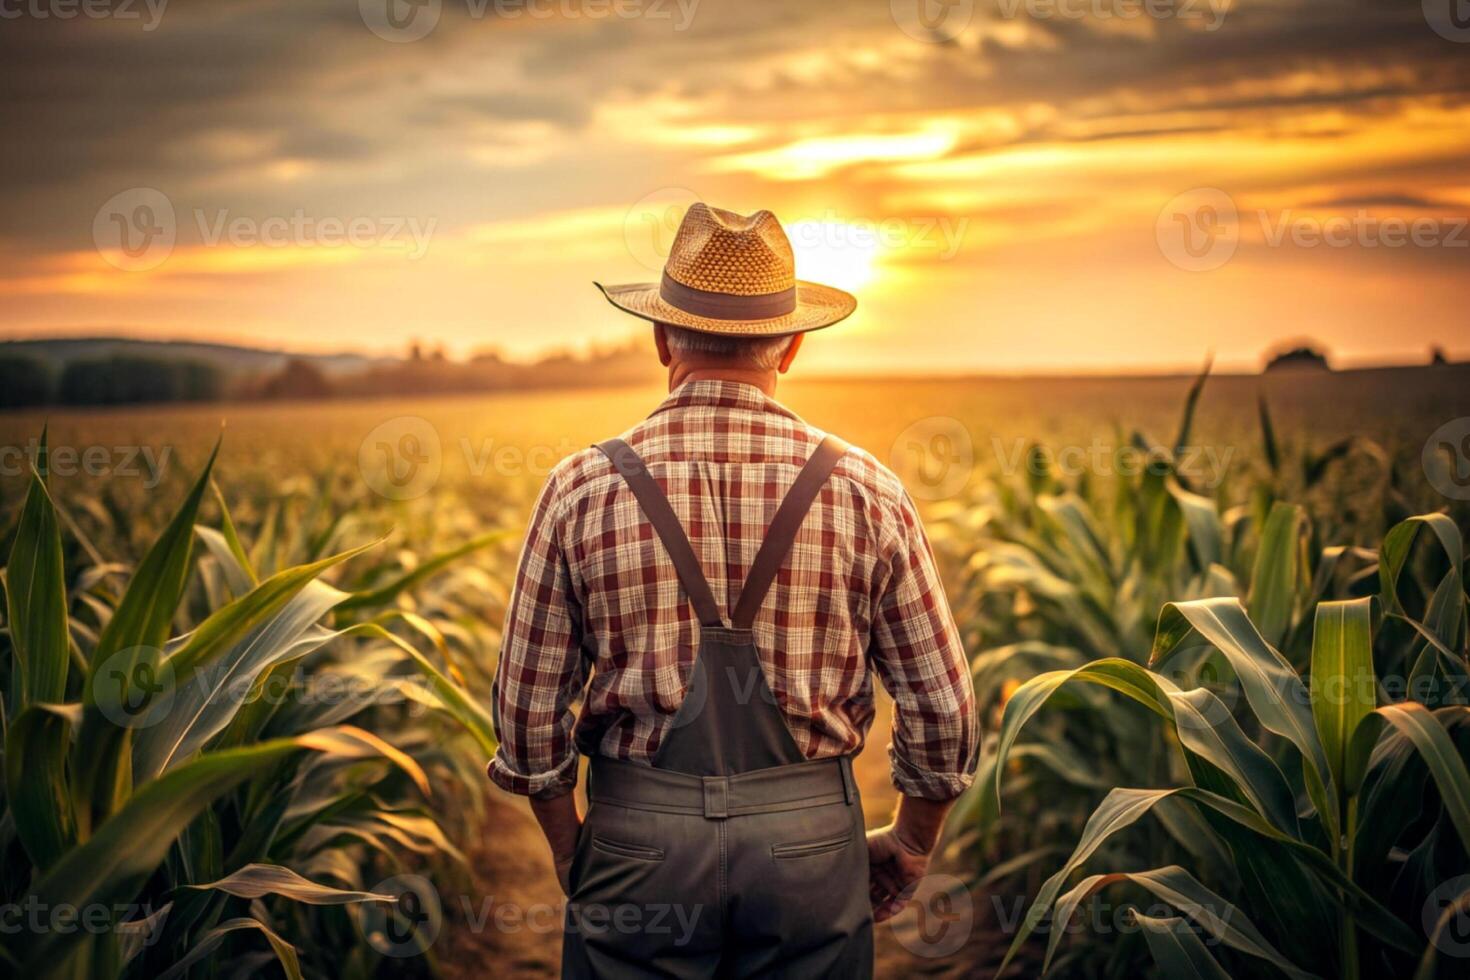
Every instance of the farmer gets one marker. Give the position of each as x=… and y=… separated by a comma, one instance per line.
x=718, y=587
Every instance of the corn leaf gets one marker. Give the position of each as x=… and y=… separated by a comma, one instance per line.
x=1344, y=686
x=385, y=594
x=1435, y=746
x=180, y=721
x=257, y=880
x=457, y=702
x=1123, y=807
x=1214, y=915
x=210, y=941
x=1276, y=576
x=1177, y=950
x=36, y=789
x=1271, y=687
x=1203, y=724
x=35, y=593
x=1393, y=555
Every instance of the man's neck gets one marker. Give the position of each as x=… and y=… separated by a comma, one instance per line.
x=765, y=380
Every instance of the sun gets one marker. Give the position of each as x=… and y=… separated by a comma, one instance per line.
x=835, y=253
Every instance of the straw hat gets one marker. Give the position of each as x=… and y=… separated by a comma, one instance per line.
x=732, y=274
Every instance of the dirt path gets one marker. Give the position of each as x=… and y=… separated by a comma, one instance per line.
x=513, y=925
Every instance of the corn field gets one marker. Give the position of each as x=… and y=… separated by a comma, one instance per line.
x=245, y=702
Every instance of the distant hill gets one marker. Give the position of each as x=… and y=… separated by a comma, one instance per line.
x=231, y=360
x=91, y=371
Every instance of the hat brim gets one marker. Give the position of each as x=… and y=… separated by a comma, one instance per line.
x=817, y=306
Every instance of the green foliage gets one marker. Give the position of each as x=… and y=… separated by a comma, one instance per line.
x=172, y=766
x=1290, y=713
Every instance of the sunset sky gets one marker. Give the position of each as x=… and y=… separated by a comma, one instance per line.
x=1021, y=185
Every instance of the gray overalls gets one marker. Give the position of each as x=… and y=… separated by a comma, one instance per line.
x=733, y=855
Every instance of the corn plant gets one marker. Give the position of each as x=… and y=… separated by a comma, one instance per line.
x=1067, y=575
x=1333, y=811
x=172, y=772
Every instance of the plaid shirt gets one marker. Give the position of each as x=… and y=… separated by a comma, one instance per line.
x=598, y=612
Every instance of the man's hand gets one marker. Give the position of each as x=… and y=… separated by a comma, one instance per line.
x=898, y=855
x=564, y=873
x=561, y=825
x=894, y=868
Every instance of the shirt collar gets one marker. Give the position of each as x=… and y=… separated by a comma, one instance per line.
x=729, y=396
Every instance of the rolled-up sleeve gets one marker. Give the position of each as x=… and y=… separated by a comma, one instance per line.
x=921, y=663
x=541, y=671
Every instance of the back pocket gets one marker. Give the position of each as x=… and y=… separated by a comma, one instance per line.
x=621, y=849
x=811, y=848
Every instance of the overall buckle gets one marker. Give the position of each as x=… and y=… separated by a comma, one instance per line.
x=716, y=797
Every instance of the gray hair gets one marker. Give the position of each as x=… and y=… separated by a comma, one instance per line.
x=761, y=352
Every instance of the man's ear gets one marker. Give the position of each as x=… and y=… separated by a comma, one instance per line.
x=790, y=354
x=661, y=341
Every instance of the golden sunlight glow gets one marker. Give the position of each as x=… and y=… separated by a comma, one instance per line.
x=820, y=155
x=835, y=253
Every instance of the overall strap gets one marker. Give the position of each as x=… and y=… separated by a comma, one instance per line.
x=782, y=532
x=666, y=524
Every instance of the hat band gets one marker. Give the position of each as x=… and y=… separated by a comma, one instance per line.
x=726, y=306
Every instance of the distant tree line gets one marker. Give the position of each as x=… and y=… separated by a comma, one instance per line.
x=27, y=381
